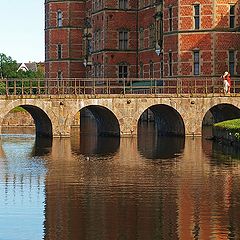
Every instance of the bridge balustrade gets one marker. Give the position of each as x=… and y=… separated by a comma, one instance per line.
x=96, y=86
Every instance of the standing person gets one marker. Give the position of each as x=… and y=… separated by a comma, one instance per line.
x=226, y=86
x=229, y=82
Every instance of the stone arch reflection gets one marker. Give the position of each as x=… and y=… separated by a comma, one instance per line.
x=160, y=133
x=160, y=147
x=93, y=145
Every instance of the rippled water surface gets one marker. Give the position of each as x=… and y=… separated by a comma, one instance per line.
x=114, y=189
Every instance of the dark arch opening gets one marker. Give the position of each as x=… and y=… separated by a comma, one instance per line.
x=218, y=113
x=96, y=130
x=106, y=122
x=167, y=121
x=43, y=125
x=160, y=131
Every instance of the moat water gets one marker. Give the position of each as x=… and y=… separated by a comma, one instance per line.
x=95, y=188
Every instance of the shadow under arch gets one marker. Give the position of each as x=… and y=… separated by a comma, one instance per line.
x=43, y=124
x=222, y=112
x=106, y=122
x=168, y=122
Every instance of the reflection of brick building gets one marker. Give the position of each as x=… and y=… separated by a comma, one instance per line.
x=129, y=38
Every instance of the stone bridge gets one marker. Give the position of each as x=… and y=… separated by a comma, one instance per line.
x=118, y=114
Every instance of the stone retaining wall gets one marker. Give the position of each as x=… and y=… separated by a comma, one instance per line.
x=18, y=119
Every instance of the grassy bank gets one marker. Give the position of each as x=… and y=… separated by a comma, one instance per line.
x=231, y=126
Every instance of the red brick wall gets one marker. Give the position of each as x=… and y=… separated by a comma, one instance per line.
x=69, y=36
x=213, y=40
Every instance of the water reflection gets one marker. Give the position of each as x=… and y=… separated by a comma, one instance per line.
x=64, y=195
x=152, y=146
x=91, y=144
x=42, y=146
x=22, y=186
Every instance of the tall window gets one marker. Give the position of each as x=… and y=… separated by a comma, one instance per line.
x=141, y=70
x=159, y=29
x=59, y=75
x=232, y=16
x=122, y=71
x=152, y=36
x=231, y=61
x=151, y=69
x=59, y=18
x=161, y=69
x=97, y=40
x=170, y=71
x=123, y=40
x=196, y=16
x=123, y=4
x=141, y=38
x=59, y=51
x=196, y=63
x=170, y=15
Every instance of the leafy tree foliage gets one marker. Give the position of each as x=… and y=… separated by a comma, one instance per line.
x=9, y=67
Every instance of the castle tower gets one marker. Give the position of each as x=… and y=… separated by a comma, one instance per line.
x=64, y=21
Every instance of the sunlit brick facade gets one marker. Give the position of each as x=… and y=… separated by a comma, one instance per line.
x=141, y=38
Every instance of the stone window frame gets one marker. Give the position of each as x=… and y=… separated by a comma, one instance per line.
x=59, y=18
x=151, y=69
x=59, y=51
x=159, y=29
x=170, y=63
x=161, y=69
x=141, y=70
x=196, y=62
x=231, y=61
x=123, y=39
x=170, y=18
x=152, y=35
x=97, y=39
x=196, y=16
x=59, y=75
x=231, y=16
x=141, y=38
x=123, y=4
x=123, y=70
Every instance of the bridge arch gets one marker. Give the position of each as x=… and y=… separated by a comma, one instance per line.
x=167, y=119
x=42, y=121
x=106, y=121
x=222, y=112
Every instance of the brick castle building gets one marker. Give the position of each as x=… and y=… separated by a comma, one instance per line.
x=141, y=38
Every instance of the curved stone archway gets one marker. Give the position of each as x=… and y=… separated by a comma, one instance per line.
x=224, y=111
x=43, y=124
x=42, y=121
x=168, y=121
x=106, y=122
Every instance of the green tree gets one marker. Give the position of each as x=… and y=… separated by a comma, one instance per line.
x=8, y=67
